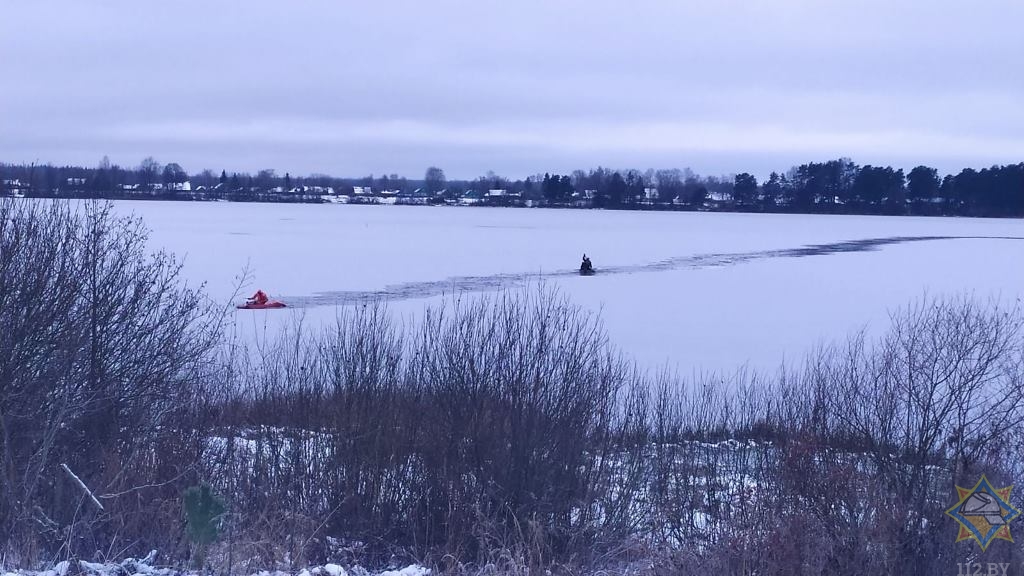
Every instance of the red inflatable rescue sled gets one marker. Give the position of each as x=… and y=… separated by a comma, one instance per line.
x=254, y=306
x=259, y=301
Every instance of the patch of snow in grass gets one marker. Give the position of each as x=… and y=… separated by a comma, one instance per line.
x=413, y=570
x=334, y=570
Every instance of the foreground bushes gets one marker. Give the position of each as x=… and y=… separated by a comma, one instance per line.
x=496, y=423
x=101, y=346
x=506, y=432
x=501, y=432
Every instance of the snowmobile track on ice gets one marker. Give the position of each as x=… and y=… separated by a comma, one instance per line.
x=460, y=284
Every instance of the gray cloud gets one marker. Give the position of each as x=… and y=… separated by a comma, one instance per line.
x=517, y=87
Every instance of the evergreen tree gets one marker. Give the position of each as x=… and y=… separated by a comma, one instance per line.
x=616, y=190
x=772, y=191
x=203, y=511
x=923, y=183
x=565, y=189
x=744, y=189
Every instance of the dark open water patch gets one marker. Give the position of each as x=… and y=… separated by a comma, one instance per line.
x=458, y=284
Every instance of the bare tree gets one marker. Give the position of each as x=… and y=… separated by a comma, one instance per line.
x=149, y=172
x=434, y=180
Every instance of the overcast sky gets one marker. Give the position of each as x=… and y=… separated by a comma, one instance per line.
x=514, y=86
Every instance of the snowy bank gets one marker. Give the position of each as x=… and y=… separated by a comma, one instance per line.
x=146, y=567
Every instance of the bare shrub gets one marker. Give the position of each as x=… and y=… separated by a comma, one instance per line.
x=889, y=424
x=100, y=350
x=493, y=425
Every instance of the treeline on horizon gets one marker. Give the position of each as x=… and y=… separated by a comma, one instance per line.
x=834, y=186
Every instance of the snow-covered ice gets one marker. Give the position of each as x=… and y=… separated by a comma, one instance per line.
x=702, y=291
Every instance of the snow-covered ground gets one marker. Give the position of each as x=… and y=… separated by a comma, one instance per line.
x=699, y=291
x=149, y=566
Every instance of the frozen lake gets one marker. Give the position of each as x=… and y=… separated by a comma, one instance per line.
x=699, y=291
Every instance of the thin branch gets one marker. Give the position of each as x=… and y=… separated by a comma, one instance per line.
x=82, y=486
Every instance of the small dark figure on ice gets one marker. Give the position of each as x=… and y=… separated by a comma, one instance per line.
x=586, y=268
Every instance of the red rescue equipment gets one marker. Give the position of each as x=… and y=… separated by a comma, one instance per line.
x=260, y=301
x=268, y=305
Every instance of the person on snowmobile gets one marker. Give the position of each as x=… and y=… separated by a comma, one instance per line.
x=259, y=298
x=586, y=266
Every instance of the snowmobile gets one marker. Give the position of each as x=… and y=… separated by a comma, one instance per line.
x=586, y=268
